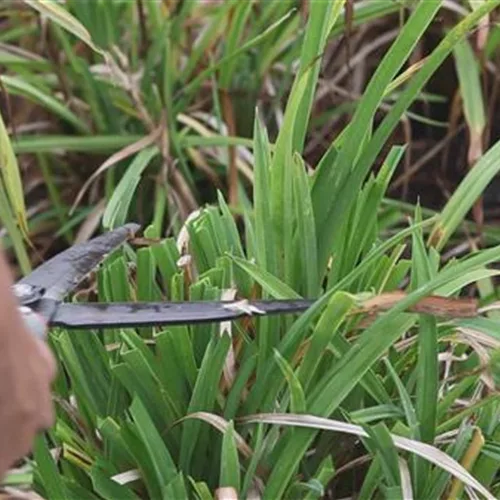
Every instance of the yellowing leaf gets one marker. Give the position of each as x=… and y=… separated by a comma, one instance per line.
x=11, y=178
x=64, y=19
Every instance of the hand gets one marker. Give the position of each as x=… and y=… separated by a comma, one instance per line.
x=27, y=369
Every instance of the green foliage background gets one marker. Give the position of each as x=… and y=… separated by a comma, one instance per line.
x=265, y=406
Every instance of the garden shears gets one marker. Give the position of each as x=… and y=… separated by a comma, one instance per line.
x=41, y=295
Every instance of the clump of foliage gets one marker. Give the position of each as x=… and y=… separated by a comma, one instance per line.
x=268, y=407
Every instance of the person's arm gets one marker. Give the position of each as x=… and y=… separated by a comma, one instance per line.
x=27, y=369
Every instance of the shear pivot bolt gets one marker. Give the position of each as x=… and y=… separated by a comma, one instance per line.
x=26, y=293
x=23, y=291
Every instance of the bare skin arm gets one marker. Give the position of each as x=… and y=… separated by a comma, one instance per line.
x=27, y=369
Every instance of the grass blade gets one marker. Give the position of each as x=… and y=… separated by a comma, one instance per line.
x=430, y=453
x=347, y=186
x=160, y=457
x=472, y=97
x=465, y=196
x=117, y=209
x=230, y=464
x=49, y=474
x=63, y=18
x=12, y=178
x=18, y=86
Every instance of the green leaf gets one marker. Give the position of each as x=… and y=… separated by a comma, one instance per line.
x=326, y=397
x=203, y=398
x=295, y=334
x=469, y=78
x=381, y=443
x=297, y=398
x=265, y=238
x=116, y=212
x=238, y=19
x=194, y=84
x=147, y=289
x=466, y=279
x=115, y=446
x=464, y=197
x=163, y=464
x=86, y=363
x=176, y=488
x=8, y=220
x=216, y=25
x=229, y=464
x=306, y=235
x=94, y=144
x=326, y=328
x=270, y=283
x=410, y=414
x=364, y=12
x=201, y=490
x=352, y=164
x=258, y=450
x=305, y=424
x=166, y=256
x=63, y=18
x=324, y=476
x=107, y=488
x=51, y=479
x=322, y=16
x=371, y=480
x=18, y=86
x=138, y=375
x=427, y=368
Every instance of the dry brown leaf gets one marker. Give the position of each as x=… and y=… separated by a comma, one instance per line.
x=230, y=369
x=91, y=223
x=438, y=306
x=226, y=493
x=406, y=487
x=221, y=424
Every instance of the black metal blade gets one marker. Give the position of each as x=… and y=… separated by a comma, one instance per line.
x=132, y=314
x=61, y=274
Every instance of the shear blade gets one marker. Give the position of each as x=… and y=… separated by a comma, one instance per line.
x=61, y=274
x=113, y=315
